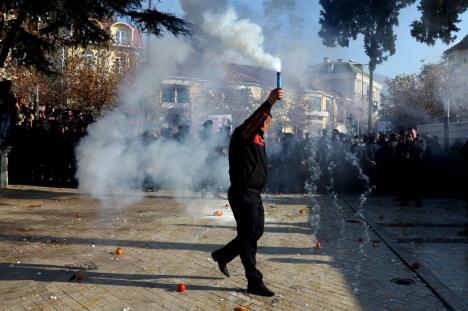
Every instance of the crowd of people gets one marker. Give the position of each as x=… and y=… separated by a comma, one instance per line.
x=41, y=141
x=405, y=164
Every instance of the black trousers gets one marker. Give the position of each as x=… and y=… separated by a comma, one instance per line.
x=247, y=208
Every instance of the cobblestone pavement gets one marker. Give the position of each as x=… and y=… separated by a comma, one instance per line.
x=429, y=234
x=57, y=253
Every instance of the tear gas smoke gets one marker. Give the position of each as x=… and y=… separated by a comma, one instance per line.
x=238, y=33
x=116, y=156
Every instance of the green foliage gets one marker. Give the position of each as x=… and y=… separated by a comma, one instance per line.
x=438, y=20
x=342, y=20
x=34, y=29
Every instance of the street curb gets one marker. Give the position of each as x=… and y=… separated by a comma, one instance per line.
x=452, y=301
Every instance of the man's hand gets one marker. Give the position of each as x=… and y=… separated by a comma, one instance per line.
x=275, y=95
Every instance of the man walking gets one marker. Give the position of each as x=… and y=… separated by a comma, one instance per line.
x=248, y=173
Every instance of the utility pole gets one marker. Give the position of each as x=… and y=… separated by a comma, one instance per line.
x=447, y=126
x=370, y=108
x=36, y=98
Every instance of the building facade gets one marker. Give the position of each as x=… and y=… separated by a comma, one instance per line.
x=125, y=46
x=351, y=82
x=244, y=87
x=457, y=55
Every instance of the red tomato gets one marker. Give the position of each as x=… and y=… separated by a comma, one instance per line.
x=79, y=276
x=181, y=287
x=415, y=266
x=218, y=213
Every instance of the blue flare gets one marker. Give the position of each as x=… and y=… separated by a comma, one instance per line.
x=278, y=79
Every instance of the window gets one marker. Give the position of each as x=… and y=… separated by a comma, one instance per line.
x=121, y=37
x=119, y=63
x=316, y=104
x=359, y=87
x=328, y=105
x=183, y=95
x=173, y=93
x=168, y=93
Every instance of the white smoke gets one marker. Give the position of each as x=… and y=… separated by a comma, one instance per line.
x=116, y=159
x=241, y=34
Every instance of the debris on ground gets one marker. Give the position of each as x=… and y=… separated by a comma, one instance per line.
x=89, y=265
x=79, y=276
x=181, y=287
x=240, y=308
x=218, y=213
x=415, y=266
x=317, y=245
x=119, y=251
x=24, y=229
x=302, y=211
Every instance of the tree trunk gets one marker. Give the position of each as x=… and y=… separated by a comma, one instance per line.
x=10, y=38
x=370, y=105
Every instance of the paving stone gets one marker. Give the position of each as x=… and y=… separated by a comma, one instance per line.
x=167, y=240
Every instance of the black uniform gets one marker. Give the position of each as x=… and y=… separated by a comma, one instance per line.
x=248, y=174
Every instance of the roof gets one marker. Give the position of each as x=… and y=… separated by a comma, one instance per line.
x=243, y=74
x=340, y=67
x=253, y=75
x=250, y=74
x=462, y=45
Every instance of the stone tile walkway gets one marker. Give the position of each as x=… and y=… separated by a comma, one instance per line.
x=429, y=234
x=57, y=253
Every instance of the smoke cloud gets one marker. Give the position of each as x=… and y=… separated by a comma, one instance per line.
x=239, y=34
x=120, y=153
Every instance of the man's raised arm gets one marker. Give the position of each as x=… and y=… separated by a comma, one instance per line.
x=256, y=120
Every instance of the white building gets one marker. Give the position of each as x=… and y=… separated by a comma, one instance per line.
x=457, y=55
x=351, y=81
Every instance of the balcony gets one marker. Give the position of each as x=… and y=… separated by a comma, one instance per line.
x=315, y=113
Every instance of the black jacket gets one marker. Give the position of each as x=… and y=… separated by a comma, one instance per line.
x=247, y=156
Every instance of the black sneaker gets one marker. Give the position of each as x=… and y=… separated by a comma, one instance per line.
x=222, y=266
x=259, y=288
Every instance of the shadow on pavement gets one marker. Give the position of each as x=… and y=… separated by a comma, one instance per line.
x=300, y=261
x=268, y=229
x=53, y=273
x=37, y=194
x=285, y=200
x=270, y=250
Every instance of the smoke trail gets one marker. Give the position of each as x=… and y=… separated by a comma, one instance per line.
x=240, y=34
x=119, y=154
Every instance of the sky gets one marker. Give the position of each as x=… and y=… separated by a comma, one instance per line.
x=409, y=57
